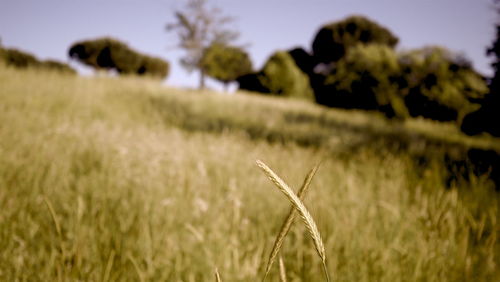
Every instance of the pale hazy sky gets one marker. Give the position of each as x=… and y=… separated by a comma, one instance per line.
x=47, y=28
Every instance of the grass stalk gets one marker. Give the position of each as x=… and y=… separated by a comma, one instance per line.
x=301, y=209
x=217, y=276
x=282, y=270
x=136, y=267
x=59, y=268
x=325, y=270
x=109, y=265
x=53, y=215
x=287, y=224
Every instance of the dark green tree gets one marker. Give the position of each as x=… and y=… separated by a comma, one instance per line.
x=21, y=59
x=430, y=82
x=88, y=51
x=366, y=78
x=280, y=76
x=199, y=27
x=486, y=119
x=303, y=59
x=332, y=43
x=119, y=56
x=111, y=54
x=18, y=58
x=494, y=51
x=440, y=84
x=154, y=67
x=225, y=63
x=333, y=40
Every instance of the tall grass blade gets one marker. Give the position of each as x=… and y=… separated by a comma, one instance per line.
x=136, y=267
x=107, y=271
x=53, y=215
x=287, y=224
x=301, y=209
x=60, y=267
x=217, y=276
x=282, y=270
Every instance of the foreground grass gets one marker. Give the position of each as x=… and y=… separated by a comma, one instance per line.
x=154, y=184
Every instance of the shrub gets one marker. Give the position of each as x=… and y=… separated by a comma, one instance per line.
x=22, y=59
x=17, y=58
x=58, y=66
x=155, y=67
x=280, y=76
x=251, y=82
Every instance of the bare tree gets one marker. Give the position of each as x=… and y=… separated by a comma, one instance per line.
x=198, y=27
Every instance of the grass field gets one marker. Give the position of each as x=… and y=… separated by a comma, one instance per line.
x=121, y=179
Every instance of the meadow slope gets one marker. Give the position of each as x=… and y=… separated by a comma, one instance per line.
x=121, y=179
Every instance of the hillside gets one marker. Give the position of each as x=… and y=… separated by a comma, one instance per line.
x=123, y=179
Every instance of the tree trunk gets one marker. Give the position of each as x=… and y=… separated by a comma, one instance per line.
x=202, y=80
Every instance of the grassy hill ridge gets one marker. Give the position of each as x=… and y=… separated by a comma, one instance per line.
x=156, y=184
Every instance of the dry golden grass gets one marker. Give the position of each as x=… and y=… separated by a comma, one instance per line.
x=149, y=183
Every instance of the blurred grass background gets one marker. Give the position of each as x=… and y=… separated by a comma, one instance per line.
x=149, y=183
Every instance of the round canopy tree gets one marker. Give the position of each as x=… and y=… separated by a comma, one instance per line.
x=225, y=63
x=333, y=40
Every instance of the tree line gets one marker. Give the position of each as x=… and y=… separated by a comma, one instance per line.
x=352, y=64
x=104, y=53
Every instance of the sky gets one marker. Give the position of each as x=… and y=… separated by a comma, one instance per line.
x=46, y=28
